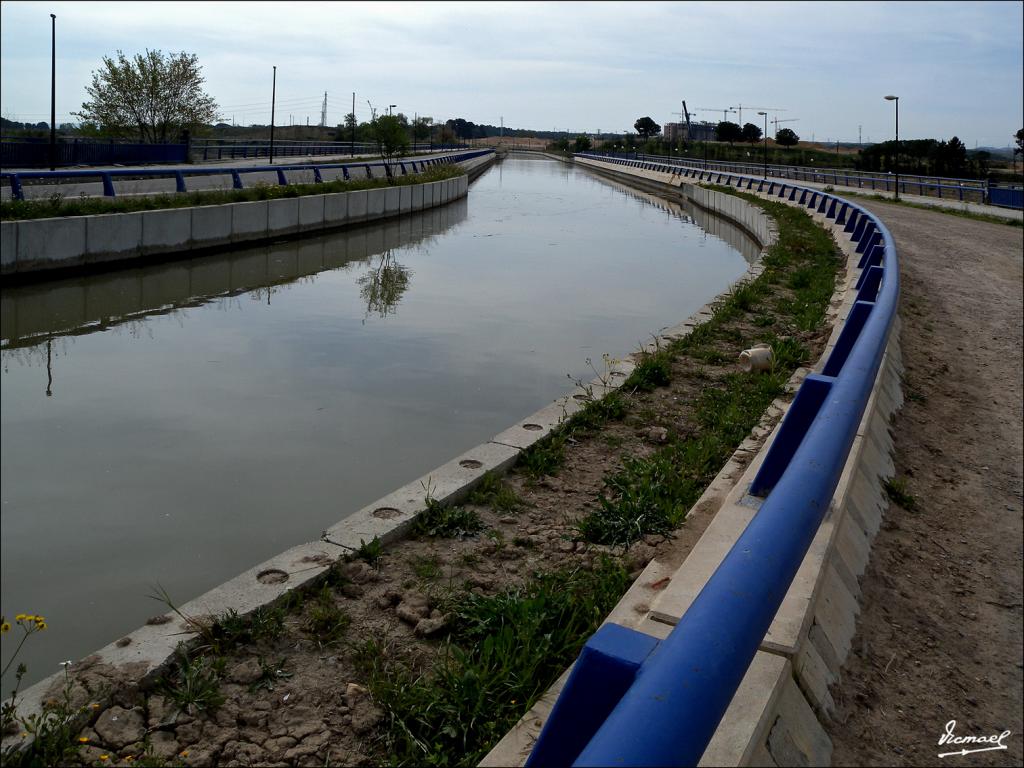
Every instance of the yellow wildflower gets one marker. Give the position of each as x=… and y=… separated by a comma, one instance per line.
x=20, y=617
x=41, y=625
x=83, y=739
x=5, y=628
x=184, y=754
x=104, y=757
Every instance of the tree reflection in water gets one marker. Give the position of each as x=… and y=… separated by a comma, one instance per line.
x=382, y=287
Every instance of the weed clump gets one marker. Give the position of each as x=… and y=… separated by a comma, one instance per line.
x=495, y=493
x=439, y=521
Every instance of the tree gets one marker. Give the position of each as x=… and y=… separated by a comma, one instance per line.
x=956, y=156
x=421, y=128
x=728, y=131
x=582, y=144
x=646, y=127
x=751, y=133
x=786, y=137
x=151, y=95
x=1019, y=138
x=391, y=137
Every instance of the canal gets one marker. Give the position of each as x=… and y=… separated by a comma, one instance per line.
x=176, y=424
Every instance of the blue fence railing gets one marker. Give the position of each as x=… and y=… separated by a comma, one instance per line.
x=180, y=175
x=220, y=149
x=36, y=154
x=969, y=190
x=634, y=701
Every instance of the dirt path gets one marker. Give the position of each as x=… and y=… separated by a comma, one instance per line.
x=939, y=636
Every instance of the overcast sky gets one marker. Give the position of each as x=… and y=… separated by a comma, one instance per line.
x=956, y=66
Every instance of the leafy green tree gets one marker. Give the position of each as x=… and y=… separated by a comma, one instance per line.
x=786, y=137
x=391, y=137
x=646, y=127
x=153, y=96
x=421, y=128
x=728, y=131
x=582, y=144
x=1019, y=138
x=751, y=133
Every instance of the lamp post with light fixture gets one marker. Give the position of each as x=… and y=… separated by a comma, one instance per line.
x=897, y=100
x=765, y=143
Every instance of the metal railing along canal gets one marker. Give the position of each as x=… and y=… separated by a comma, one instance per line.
x=402, y=167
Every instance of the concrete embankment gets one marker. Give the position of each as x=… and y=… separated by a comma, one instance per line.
x=42, y=245
x=776, y=716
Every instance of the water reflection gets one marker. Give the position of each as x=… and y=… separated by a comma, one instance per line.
x=383, y=285
x=31, y=314
x=710, y=224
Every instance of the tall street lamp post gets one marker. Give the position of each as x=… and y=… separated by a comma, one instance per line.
x=53, y=92
x=273, y=101
x=765, y=143
x=897, y=100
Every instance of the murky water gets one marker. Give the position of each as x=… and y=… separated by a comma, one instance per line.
x=179, y=423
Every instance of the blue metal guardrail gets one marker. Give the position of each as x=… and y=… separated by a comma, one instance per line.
x=36, y=154
x=972, y=190
x=634, y=701
x=219, y=149
x=179, y=174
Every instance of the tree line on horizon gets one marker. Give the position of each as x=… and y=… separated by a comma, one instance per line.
x=158, y=98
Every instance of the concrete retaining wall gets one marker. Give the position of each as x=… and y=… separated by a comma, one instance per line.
x=45, y=244
x=775, y=717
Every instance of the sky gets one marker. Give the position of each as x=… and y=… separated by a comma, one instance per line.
x=958, y=67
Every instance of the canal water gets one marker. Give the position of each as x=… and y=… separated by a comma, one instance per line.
x=176, y=424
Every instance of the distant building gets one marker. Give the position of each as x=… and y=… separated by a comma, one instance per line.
x=702, y=131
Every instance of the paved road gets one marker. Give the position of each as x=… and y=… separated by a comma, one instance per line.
x=940, y=634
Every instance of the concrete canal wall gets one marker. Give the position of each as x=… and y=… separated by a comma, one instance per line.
x=38, y=245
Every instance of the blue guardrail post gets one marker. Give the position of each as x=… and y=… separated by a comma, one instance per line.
x=604, y=671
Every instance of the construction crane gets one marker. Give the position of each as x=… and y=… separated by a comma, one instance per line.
x=766, y=109
x=685, y=114
x=725, y=111
x=776, y=122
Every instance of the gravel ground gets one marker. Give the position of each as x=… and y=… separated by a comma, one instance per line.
x=940, y=632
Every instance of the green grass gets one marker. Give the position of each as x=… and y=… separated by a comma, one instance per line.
x=427, y=567
x=502, y=654
x=326, y=622
x=57, y=205
x=195, y=683
x=369, y=552
x=495, y=493
x=545, y=457
x=653, y=370
x=897, y=491
x=599, y=411
x=439, y=521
